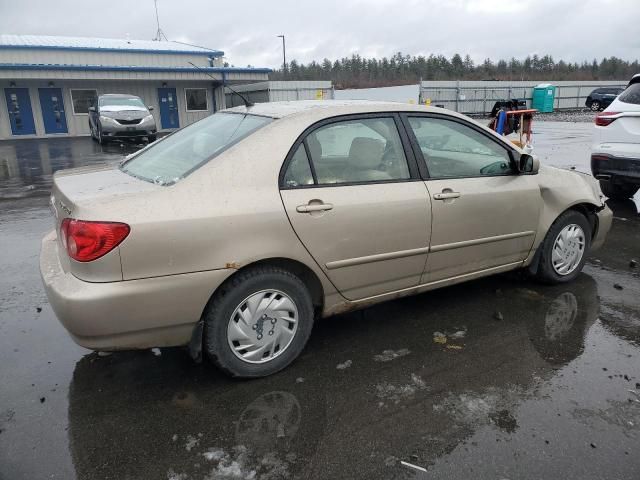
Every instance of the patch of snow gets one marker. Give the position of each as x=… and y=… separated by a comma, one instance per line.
x=345, y=365
x=156, y=352
x=191, y=442
x=171, y=475
x=388, y=355
x=397, y=393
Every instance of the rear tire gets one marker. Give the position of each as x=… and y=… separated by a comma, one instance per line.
x=225, y=311
x=553, y=248
x=595, y=106
x=618, y=192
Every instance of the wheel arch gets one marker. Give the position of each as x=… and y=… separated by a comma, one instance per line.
x=302, y=271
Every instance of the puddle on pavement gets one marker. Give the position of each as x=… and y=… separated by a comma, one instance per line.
x=27, y=166
x=161, y=417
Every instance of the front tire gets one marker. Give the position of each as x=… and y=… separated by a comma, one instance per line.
x=618, y=192
x=99, y=138
x=595, y=106
x=258, y=322
x=564, y=249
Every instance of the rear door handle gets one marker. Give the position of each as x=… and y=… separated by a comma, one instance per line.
x=445, y=195
x=314, y=207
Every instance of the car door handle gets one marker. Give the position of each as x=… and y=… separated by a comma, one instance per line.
x=445, y=195
x=314, y=207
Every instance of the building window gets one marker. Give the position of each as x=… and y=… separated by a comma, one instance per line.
x=82, y=100
x=196, y=99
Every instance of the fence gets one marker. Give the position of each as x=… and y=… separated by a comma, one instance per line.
x=479, y=97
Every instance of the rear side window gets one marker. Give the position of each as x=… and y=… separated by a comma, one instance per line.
x=354, y=151
x=631, y=94
x=298, y=172
x=176, y=156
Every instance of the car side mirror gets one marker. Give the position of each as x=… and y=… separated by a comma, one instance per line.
x=528, y=164
x=150, y=108
x=92, y=109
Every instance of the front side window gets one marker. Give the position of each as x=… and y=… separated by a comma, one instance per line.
x=365, y=150
x=631, y=94
x=177, y=155
x=196, y=99
x=452, y=149
x=82, y=100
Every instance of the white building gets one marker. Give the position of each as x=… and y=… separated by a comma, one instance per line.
x=48, y=82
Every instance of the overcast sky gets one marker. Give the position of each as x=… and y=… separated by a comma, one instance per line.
x=246, y=30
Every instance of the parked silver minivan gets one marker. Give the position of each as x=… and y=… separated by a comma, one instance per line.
x=121, y=116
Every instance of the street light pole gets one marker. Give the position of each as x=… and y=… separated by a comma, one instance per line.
x=284, y=55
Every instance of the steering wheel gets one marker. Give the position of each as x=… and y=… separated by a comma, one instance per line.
x=495, y=167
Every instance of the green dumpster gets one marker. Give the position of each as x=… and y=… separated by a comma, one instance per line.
x=543, y=97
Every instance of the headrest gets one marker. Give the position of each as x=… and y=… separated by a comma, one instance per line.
x=366, y=153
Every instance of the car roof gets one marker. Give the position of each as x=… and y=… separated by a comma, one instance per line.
x=634, y=79
x=330, y=108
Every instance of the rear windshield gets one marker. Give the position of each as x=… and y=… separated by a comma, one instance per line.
x=120, y=102
x=631, y=94
x=186, y=150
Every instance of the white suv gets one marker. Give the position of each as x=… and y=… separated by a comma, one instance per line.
x=615, y=155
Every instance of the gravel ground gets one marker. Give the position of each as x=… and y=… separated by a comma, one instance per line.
x=573, y=116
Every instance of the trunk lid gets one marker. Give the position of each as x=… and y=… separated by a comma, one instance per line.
x=82, y=194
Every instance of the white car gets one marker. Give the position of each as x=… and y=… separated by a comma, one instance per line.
x=615, y=155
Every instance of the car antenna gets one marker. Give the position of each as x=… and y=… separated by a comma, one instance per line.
x=247, y=103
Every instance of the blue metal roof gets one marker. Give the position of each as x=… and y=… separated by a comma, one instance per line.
x=42, y=66
x=103, y=45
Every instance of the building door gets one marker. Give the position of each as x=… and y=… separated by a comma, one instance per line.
x=53, y=116
x=168, y=108
x=20, y=113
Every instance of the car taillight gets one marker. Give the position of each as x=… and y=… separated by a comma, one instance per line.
x=603, y=119
x=86, y=241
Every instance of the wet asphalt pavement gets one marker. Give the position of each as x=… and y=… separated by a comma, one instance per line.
x=431, y=386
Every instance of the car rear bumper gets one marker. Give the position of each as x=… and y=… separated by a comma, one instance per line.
x=615, y=169
x=144, y=313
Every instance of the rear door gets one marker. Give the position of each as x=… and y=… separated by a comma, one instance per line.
x=484, y=215
x=352, y=192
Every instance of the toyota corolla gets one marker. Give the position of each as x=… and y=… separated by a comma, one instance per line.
x=232, y=235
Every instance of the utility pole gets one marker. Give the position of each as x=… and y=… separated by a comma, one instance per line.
x=284, y=55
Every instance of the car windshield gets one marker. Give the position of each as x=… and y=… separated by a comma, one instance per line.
x=121, y=102
x=174, y=157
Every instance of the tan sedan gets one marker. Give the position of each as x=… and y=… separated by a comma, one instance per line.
x=233, y=234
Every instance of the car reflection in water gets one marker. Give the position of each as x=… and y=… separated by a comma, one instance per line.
x=404, y=397
x=27, y=167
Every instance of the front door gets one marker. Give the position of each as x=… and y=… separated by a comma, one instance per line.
x=353, y=196
x=20, y=113
x=485, y=215
x=53, y=116
x=168, y=108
